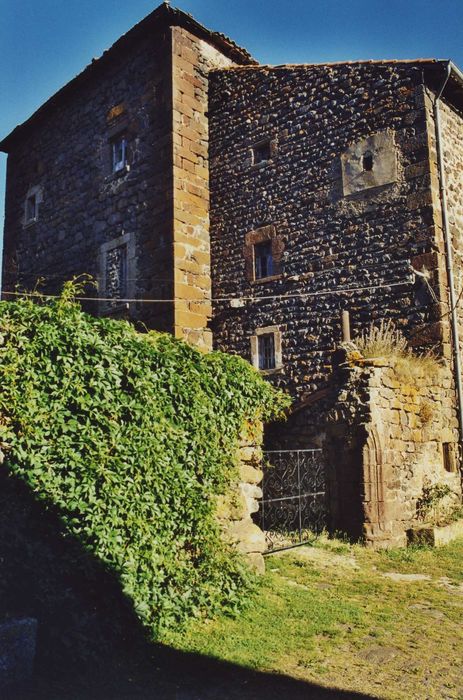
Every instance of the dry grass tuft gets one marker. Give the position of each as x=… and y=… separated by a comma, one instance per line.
x=386, y=341
x=382, y=341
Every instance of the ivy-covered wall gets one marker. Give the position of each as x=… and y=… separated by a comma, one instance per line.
x=128, y=439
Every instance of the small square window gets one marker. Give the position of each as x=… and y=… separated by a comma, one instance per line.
x=119, y=153
x=263, y=260
x=261, y=152
x=32, y=208
x=266, y=350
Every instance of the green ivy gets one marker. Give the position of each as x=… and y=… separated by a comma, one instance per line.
x=130, y=437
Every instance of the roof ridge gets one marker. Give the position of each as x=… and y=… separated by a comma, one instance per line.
x=327, y=64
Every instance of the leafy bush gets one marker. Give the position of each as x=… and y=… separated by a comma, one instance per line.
x=437, y=504
x=129, y=437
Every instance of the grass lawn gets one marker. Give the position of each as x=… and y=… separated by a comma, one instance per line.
x=328, y=613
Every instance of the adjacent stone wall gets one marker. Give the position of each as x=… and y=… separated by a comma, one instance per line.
x=235, y=510
x=452, y=144
x=334, y=233
x=392, y=433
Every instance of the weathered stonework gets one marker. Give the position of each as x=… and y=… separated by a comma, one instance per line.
x=192, y=59
x=369, y=162
x=169, y=160
x=367, y=237
x=235, y=510
x=390, y=424
x=150, y=89
x=84, y=204
x=17, y=653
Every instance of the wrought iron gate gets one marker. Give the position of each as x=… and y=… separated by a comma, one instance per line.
x=293, y=505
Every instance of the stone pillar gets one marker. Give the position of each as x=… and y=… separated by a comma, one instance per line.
x=192, y=58
x=235, y=509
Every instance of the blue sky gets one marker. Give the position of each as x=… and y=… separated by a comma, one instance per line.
x=45, y=43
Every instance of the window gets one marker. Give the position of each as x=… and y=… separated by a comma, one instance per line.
x=448, y=457
x=31, y=208
x=367, y=161
x=266, y=354
x=263, y=253
x=32, y=203
x=266, y=348
x=118, y=274
x=261, y=152
x=119, y=153
x=263, y=260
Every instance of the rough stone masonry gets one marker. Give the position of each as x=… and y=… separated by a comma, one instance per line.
x=245, y=207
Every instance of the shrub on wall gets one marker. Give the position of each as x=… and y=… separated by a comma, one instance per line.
x=129, y=437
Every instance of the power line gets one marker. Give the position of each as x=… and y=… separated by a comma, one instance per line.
x=44, y=276
x=271, y=297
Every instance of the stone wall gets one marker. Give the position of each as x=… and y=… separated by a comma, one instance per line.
x=86, y=205
x=236, y=508
x=154, y=210
x=337, y=226
x=392, y=433
x=452, y=144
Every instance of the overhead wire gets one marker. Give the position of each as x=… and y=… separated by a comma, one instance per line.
x=252, y=298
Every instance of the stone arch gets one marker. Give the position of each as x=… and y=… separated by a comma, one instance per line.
x=373, y=479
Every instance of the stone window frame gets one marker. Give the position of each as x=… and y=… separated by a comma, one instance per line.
x=263, y=234
x=273, y=149
x=35, y=193
x=107, y=308
x=277, y=341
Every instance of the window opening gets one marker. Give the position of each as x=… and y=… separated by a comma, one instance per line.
x=266, y=348
x=119, y=153
x=116, y=273
x=447, y=457
x=261, y=152
x=263, y=260
x=31, y=208
x=367, y=161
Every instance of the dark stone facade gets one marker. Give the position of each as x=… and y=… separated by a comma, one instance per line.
x=333, y=238
x=70, y=211
x=84, y=204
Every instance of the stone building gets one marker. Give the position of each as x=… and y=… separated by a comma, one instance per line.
x=326, y=179
x=109, y=177
x=215, y=197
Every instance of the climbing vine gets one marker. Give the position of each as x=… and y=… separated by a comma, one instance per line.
x=129, y=437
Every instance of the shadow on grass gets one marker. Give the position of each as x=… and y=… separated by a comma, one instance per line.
x=90, y=644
